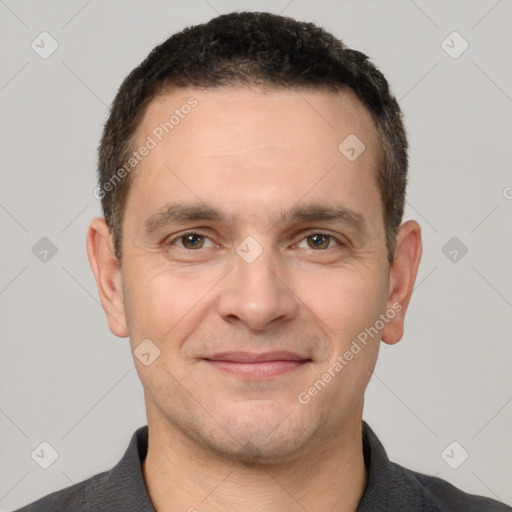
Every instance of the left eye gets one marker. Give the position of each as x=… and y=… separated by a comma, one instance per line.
x=320, y=241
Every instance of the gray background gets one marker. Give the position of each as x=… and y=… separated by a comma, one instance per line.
x=67, y=380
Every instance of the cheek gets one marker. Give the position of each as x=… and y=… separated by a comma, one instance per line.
x=161, y=302
x=345, y=300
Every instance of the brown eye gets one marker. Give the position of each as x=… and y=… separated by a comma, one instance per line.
x=318, y=241
x=189, y=242
x=192, y=241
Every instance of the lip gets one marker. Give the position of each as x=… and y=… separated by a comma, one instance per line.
x=257, y=365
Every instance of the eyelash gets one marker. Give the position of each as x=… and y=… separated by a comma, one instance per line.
x=170, y=242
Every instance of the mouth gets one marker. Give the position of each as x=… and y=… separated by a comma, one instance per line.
x=257, y=365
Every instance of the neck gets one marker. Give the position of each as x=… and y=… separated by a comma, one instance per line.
x=182, y=476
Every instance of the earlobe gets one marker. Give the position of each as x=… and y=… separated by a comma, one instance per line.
x=402, y=278
x=105, y=268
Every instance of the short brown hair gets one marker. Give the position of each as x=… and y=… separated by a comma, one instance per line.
x=252, y=48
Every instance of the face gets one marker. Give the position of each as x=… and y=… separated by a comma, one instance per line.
x=254, y=262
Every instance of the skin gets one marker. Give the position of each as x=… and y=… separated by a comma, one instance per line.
x=218, y=441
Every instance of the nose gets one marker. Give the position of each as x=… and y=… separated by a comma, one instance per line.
x=257, y=293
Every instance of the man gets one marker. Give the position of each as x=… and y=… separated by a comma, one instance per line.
x=252, y=174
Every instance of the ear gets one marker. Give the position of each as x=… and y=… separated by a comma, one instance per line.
x=107, y=273
x=402, y=278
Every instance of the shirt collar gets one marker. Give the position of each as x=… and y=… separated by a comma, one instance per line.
x=124, y=486
x=126, y=478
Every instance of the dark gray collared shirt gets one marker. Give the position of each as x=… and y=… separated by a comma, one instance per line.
x=390, y=487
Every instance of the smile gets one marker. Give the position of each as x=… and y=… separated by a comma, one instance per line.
x=257, y=366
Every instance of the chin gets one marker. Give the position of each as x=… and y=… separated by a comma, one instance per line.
x=262, y=437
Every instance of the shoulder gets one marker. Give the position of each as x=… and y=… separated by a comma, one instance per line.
x=76, y=498
x=393, y=487
x=118, y=490
x=437, y=495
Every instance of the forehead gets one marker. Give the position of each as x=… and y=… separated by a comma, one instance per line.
x=222, y=109
x=220, y=144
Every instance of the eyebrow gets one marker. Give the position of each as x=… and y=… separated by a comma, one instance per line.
x=325, y=213
x=176, y=213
